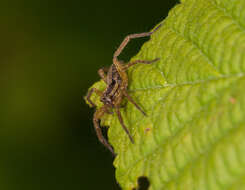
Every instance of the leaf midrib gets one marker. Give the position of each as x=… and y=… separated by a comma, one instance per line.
x=198, y=82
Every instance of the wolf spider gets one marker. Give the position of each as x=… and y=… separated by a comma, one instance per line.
x=117, y=83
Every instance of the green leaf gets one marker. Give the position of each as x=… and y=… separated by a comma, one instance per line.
x=194, y=96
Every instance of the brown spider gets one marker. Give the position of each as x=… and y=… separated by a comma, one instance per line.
x=117, y=83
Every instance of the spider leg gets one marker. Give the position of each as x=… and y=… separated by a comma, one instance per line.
x=102, y=74
x=117, y=63
x=90, y=92
x=139, y=61
x=128, y=38
x=97, y=115
x=133, y=102
x=123, y=125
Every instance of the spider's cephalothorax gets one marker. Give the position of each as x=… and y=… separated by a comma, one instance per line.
x=113, y=81
x=116, y=80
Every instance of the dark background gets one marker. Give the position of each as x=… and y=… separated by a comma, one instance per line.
x=50, y=52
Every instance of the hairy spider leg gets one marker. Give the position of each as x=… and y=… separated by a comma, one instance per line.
x=90, y=92
x=133, y=102
x=102, y=74
x=129, y=37
x=117, y=63
x=139, y=61
x=122, y=123
x=97, y=115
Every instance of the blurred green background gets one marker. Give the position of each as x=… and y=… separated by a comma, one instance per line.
x=50, y=52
